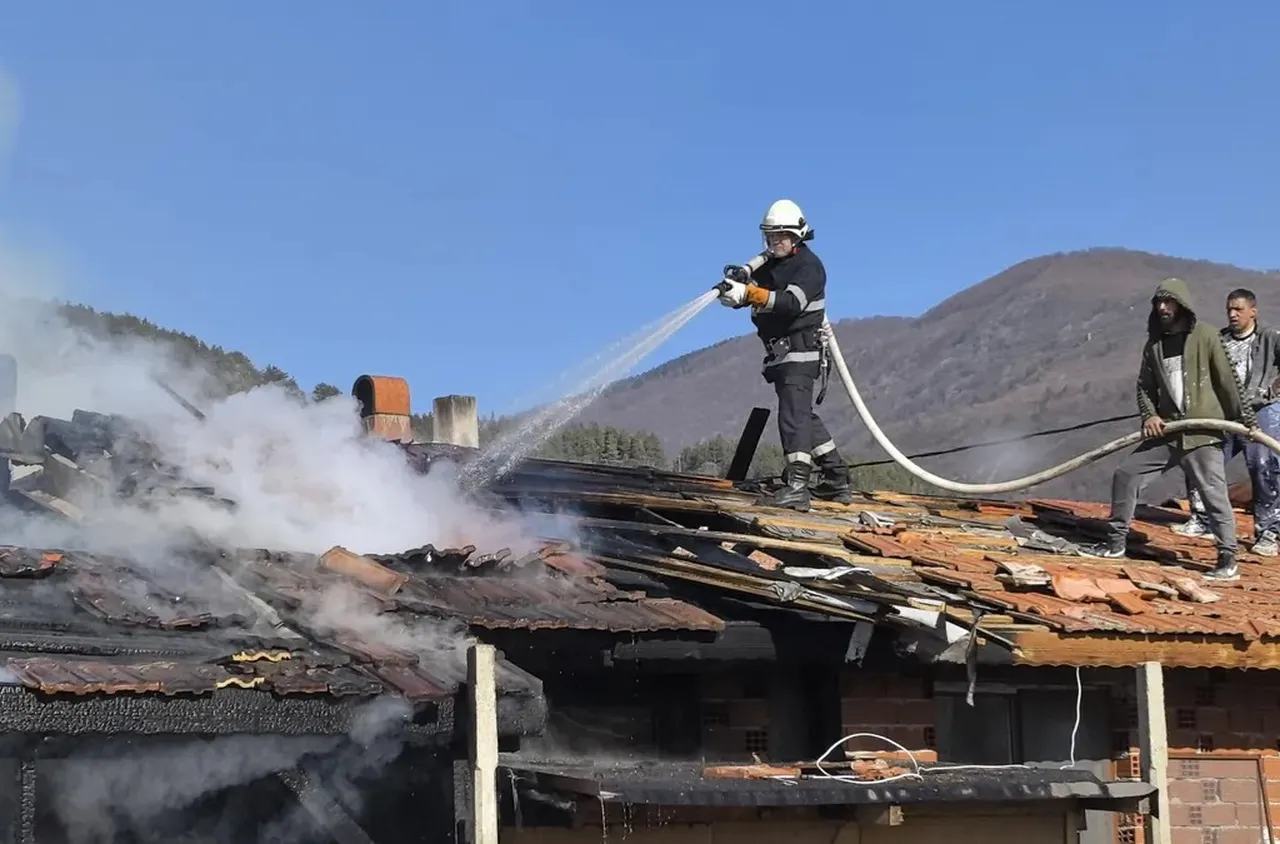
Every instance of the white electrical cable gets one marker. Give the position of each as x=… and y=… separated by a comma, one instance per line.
x=1180, y=425
x=1075, y=728
x=919, y=771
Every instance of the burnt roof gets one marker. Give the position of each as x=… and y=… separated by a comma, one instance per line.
x=82, y=623
x=1013, y=567
x=76, y=623
x=333, y=626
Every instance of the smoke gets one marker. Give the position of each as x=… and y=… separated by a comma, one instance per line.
x=98, y=799
x=303, y=474
x=303, y=477
x=162, y=791
x=10, y=114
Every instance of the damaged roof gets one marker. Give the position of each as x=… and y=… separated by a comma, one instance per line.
x=334, y=625
x=80, y=623
x=655, y=554
x=1011, y=567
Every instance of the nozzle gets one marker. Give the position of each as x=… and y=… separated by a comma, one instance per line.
x=723, y=286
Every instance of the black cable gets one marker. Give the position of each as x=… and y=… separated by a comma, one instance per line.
x=1021, y=438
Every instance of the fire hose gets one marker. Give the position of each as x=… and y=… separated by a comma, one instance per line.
x=1118, y=444
x=1044, y=475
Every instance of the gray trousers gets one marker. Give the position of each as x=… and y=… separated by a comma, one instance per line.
x=1204, y=467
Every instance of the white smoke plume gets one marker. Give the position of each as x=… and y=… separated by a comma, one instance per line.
x=10, y=114
x=160, y=791
x=303, y=474
x=303, y=477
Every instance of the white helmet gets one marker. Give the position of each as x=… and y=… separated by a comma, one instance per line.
x=785, y=216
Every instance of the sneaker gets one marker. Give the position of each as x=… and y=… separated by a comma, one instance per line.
x=1266, y=545
x=1193, y=526
x=1226, y=569
x=1109, y=550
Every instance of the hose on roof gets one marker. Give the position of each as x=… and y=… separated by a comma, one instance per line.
x=1044, y=475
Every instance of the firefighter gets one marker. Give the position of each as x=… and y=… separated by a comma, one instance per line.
x=786, y=287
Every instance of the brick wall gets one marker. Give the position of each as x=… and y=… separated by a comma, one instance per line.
x=1219, y=724
x=735, y=712
x=896, y=707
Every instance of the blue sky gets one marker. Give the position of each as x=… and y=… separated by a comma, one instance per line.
x=479, y=195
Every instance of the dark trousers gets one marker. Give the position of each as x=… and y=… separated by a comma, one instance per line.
x=804, y=436
x=1204, y=466
x=1264, y=474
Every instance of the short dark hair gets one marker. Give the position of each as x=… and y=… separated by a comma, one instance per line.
x=1243, y=293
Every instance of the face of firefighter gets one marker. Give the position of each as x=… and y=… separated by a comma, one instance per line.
x=1241, y=314
x=1167, y=310
x=779, y=243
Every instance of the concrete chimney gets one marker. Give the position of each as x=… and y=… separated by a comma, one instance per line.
x=384, y=406
x=8, y=384
x=454, y=421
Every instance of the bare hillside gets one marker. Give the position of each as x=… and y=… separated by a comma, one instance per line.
x=1048, y=342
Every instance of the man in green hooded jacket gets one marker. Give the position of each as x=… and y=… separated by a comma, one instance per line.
x=1185, y=374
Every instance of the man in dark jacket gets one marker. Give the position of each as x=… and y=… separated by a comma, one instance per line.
x=1254, y=350
x=786, y=287
x=1185, y=374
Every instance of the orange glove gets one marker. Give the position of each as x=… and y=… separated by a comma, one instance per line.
x=757, y=296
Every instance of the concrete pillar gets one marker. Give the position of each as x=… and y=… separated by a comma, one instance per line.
x=454, y=420
x=1153, y=749
x=482, y=686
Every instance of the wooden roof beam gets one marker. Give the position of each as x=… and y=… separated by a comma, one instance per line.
x=1126, y=650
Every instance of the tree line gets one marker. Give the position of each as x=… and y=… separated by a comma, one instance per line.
x=234, y=372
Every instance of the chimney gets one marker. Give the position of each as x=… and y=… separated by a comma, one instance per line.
x=454, y=421
x=384, y=406
x=8, y=384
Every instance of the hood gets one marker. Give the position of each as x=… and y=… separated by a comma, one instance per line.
x=1176, y=289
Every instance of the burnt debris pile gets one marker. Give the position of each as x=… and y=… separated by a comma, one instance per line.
x=86, y=458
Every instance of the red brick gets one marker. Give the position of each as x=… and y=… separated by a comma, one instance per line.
x=868, y=711
x=1186, y=791
x=1249, y=814
x=751, y=713
x=918, y=712
x=1218, y=814
x=1211, y=768
x=1188, y=835
x=1179, y=814
x=910, y=688
x=1240, y=790
x=858, y=683
x=866, y=742
x=1271, y=767
x=911, y=738
x=1239, y=835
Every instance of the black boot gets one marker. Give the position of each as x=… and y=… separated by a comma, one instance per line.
x=1226, y=569
x=795, y=491
x=833, y=479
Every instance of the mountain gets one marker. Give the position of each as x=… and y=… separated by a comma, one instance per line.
x=1049, y=342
